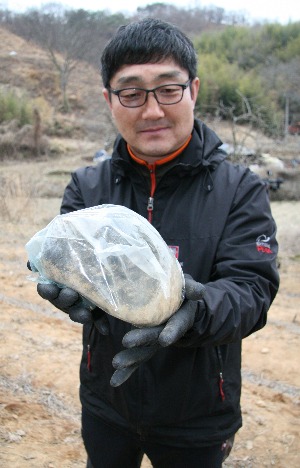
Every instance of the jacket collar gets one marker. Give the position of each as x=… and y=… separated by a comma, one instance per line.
x=202, y=151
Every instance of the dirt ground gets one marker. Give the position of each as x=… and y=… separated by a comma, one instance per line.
x=40, y=352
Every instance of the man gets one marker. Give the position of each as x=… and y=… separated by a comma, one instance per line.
x=175, y=393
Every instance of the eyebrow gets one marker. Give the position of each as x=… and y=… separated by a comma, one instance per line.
x=125, y=80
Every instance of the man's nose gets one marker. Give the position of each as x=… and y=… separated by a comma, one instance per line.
x=152, y=109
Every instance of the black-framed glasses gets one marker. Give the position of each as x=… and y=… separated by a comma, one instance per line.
x=136, y=97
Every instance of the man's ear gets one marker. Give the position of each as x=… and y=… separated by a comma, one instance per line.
x=107, y=97
x=195, y=86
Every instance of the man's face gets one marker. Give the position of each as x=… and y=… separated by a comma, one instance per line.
x=153, y=130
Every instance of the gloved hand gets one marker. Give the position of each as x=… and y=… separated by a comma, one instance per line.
x=128, y=360
x=69, y=301
x=143, y=343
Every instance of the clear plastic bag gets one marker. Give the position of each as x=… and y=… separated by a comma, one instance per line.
x=115, y=259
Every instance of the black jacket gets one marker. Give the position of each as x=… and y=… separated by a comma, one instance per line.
x=217, y=217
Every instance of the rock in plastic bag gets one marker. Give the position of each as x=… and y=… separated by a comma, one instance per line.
x=115, y=259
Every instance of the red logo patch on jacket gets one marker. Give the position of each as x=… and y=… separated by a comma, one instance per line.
x=263, y=244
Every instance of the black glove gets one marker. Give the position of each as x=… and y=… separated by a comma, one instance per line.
x=128, y=360
x=142, y=343
x=69, y=301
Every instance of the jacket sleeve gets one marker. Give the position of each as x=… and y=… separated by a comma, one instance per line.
x=89, y=186
x=244, y=280
x=72, y=198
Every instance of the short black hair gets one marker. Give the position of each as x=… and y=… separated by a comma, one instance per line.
x=147, y=41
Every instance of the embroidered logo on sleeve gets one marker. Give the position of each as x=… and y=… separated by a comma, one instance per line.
x=263, y=244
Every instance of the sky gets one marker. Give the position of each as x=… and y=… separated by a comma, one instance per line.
x=282, y=11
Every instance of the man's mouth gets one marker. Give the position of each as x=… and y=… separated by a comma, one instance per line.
x=153, y=129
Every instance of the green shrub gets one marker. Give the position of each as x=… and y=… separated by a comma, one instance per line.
x=12, y=107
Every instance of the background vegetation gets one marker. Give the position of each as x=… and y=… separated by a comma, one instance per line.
x=14, y=107
x=250, y=73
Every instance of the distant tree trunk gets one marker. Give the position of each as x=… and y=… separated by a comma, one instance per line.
x=286, y=116
x=64, y=69
x=37, y=132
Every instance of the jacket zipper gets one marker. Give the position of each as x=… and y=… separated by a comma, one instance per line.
x=150, y=204
x=221, y=379
x=89, y=352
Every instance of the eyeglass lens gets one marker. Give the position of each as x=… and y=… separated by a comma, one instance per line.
x=167, y=94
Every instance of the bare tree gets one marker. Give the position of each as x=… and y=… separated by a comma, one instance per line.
x=285, y=78
x=250, y=115
x=61, y=35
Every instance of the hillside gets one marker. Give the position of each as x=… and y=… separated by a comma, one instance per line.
x=26, y=69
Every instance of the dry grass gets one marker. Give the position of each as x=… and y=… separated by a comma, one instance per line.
x=16, y=198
